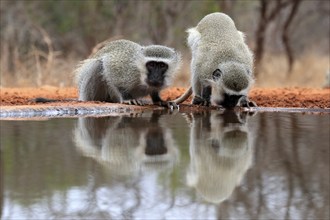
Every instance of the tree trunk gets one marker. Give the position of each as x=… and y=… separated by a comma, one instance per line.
x=285, y=34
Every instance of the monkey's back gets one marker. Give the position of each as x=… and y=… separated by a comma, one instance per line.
x=216, y=24
x=222, y=42
x=122, y=63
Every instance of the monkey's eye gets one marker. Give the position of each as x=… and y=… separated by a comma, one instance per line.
x=151, y=64
x=216, y=74
x=161, y=65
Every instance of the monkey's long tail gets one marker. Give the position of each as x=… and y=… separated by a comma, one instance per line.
x=45, y=100
x=183, y=97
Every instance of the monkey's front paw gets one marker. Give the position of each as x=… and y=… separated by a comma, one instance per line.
x=245, y=102
x=252, y=104
x=200, y=101
x=170, y=105
x=133, y=102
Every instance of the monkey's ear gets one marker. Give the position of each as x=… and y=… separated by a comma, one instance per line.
x=216, y=74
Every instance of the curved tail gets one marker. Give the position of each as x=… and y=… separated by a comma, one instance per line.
x=183, y=97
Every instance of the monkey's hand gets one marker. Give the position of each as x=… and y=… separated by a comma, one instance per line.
x=166, y=104
x=158, y=101
x=200, y=101
x=245, y=102
x=133, y=102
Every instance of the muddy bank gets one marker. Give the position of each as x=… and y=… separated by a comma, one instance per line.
x=270, y=97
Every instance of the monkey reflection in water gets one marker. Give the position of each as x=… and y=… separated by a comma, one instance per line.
x=220, y=153
x=125, y=144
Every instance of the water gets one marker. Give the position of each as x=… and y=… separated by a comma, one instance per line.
x=205, y=165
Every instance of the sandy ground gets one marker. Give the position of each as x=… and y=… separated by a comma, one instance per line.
x=20, y=98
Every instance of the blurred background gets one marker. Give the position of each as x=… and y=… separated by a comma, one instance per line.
x=43, y=40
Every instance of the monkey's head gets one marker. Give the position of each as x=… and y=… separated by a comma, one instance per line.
x=156, y=73
x=161, y=63
x=231, y=81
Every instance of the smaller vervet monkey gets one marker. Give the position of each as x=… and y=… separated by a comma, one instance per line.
x=221, y=63
x=123, y=71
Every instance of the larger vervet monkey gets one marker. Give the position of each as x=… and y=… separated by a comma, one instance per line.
x=221, y=65
x=123, y=71
x=220, y=153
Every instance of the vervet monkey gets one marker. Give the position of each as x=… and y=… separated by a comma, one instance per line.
x=123, y=71
x=220, y=153
x=221, y=63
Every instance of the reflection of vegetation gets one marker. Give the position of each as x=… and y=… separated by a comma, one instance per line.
x=39, y=156
x=177, y=175
x=64, y=16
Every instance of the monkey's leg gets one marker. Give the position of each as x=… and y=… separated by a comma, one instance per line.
x=203, y=98
x=114, y=94
x=92, y=86
x=158, y=101
x=197, y=90
x=201, y=93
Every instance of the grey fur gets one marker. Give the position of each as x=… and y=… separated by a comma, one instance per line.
x=117, y=72
x=215, y=43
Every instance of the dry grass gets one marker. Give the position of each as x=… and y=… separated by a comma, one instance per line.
x=29, y=65
x=308, y=71
x=38, y=70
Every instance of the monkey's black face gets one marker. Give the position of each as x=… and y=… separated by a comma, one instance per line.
x=156, y=73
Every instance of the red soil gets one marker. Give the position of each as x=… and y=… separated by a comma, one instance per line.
x=284, y=97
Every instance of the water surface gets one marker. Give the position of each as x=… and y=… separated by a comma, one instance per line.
x=153, y=165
